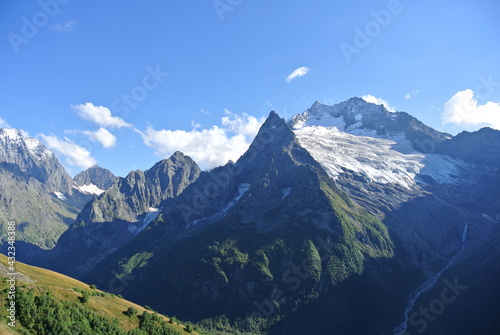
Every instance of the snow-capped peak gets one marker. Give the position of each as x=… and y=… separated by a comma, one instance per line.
x=10, y=137
x=367, y=140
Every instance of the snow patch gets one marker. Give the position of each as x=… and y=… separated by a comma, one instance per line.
x=389, y=160
x=242, y=189
x=148, y=218
x=60, y=196
x=89, y=189
x=286, y=192
x=11, y=134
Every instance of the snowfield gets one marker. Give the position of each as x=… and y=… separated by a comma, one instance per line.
x=382, y=160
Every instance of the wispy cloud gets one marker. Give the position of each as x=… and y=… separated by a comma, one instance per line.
x=301, y=71
x=4, y=124
x=412, y=95
x=63, y=27
x=100, y=115
x=377, y=101
x=209, y=147
x=72, y=153
x=463, y=110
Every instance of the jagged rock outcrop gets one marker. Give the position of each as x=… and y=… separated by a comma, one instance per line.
x=95, y=175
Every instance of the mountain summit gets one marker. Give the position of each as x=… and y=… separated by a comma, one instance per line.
x=95, y=176
x=35, y=190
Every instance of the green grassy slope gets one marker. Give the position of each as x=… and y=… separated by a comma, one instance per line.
x=64, y=293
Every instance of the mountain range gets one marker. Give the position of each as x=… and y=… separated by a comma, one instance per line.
x=36, y=192
x=346, y=219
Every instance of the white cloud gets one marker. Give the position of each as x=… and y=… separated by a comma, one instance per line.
x=208, y=147
x=103, y=136
x=242, y=124
x=63, y=27
x=412, y=95
x=4, y=124
x=73, y=154
x=100, y=115
x=463, y=110
x=377, y=101
x=301, y=71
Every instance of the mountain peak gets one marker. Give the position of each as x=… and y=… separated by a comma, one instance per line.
x=95, y=175
x=274, y=131
x=359, y=117
x=15, y=137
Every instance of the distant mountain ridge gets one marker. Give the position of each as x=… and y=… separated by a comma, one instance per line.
x=120, y=213
x=35, y=190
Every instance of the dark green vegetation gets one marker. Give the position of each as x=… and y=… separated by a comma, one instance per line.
x=44, y=314
x=51, y=303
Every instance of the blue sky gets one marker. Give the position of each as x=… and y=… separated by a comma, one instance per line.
x=124, y=84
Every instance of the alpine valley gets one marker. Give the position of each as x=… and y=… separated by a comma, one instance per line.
x=345, y=219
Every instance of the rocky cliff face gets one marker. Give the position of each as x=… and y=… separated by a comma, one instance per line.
x=23, y=155
x=120, y=213
x=35, y=190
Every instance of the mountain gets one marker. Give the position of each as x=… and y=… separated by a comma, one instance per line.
x=35, y=190
x=48, y=302
x=263, y=237
x=22, y=154
x=118, y=214
x=359, y=117
x=94, y=180
x=402, y=171
x=346, y=219
x=436, y=193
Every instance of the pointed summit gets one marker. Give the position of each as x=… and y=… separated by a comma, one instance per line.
x=273, y=135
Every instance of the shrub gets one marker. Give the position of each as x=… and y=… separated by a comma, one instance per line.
x=131, y=311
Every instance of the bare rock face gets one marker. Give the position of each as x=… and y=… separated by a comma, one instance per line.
x=121, y=212
x=35, y=190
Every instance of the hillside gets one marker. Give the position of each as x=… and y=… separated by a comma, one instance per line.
x=59, y=293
